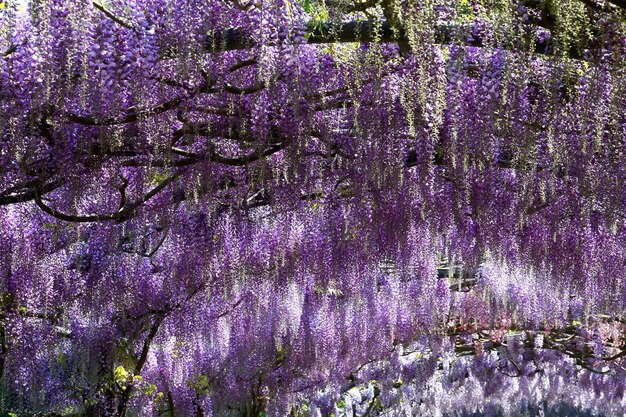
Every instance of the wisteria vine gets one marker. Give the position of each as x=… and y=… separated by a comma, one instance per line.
x=312, y=208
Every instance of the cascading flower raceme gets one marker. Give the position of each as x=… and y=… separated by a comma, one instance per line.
x=312, y=208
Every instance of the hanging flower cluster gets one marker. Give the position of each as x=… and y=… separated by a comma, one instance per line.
x=311, y=207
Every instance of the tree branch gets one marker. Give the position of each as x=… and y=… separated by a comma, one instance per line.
x=113, y=17
x=244, y=90
x=13, y=47
x=27, y=191
x=346, y=32
x=119, y=215
x=127, y=392
x=129, y=117
x=211, y=155
x=229, y=310
x=242, y=64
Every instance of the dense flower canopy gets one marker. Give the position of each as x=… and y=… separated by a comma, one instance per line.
x=281, y=207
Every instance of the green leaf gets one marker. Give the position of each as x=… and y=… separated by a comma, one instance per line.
x=156, y=178
x=201, y=386
x=121, y=376
x=306, y=5
x=150, y=389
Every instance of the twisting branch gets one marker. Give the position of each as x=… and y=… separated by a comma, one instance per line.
x=158, y=317
x=230, y=309
x=145, y=349
x=158, y=245
x=254, y=156
x=518, y=371
x=566, y=341
x=205, y=87
x=146, y=344
x=167, y=81
x=348, y=32
x=164, y=232
x=211, y=155
x=10, y=50
x=119, y=215
x=391, y=10
x=372, y=403
x=242, y=64
x=322, y=94
x=256, y=87
x=215, y=130
x=168, y=308
x=170, y=401
x=334, y=146
x=113, y=17
x=26, y=191
x=122, y=191
x=537, y=208
x=13, y=47
x=129, y=117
